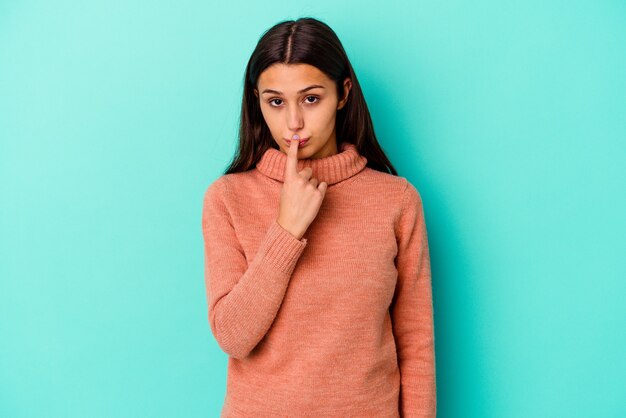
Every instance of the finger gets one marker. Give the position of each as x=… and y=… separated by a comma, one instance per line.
x=322, y=187
x=291, y=165
x=306, y=172
x=314, y=181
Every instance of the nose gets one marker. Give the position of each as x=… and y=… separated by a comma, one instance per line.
x=294, y=118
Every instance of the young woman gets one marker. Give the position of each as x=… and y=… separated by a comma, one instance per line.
x=317, y=266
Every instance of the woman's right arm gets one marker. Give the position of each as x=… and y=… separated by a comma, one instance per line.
x=243, y=299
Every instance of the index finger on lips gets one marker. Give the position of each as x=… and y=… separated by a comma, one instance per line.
x=291, y=165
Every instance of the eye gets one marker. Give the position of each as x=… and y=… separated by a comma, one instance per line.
x=272, y=101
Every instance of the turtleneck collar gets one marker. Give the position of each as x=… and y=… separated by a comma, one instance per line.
x=331, y=169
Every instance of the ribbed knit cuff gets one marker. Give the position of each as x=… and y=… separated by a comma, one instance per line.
x=281, y=248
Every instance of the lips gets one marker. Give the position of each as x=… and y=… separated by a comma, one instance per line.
x=302, y=141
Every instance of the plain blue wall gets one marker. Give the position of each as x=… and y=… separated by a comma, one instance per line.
x=115, y=116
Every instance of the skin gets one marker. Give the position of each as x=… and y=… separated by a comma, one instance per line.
x=310, y=114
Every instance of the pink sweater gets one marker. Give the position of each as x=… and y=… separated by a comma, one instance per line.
x=338, y=323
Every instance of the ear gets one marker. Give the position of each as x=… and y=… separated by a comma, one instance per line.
x=256, y=92
x=347, y=85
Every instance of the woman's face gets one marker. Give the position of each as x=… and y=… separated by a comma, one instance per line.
x=300, y=99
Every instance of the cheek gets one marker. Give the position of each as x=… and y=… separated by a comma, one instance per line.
x=324, y=115
x=270, y=117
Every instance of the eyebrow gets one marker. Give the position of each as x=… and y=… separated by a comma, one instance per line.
x=299, y=92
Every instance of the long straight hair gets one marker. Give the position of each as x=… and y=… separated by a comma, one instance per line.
x=305, y=41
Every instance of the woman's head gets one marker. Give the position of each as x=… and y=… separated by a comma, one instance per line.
x=290, y=57
x=299, y=99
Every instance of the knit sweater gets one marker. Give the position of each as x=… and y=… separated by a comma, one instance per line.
x=338, y=323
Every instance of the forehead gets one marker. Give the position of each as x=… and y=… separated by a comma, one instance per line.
x=285, y=77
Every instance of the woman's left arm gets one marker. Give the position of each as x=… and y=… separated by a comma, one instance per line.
x=412, y=311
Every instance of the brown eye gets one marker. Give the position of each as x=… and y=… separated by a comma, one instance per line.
x=271, y=101
x=317, y=99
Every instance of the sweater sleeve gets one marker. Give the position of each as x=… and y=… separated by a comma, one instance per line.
x=411, y=311
x=243, y=298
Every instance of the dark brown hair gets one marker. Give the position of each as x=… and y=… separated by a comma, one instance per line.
x=305, y=41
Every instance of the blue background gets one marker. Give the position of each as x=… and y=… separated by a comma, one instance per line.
x=509, y=118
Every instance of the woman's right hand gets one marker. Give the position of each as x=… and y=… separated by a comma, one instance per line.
x=300, y=196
